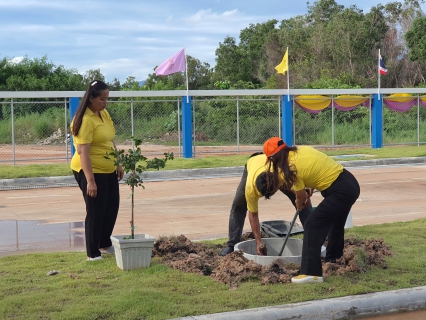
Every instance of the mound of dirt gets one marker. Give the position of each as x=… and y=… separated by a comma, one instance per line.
x=180, y=253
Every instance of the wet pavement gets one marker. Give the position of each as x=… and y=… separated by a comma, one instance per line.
x=414, y=315
x=21, y=236
x=51, y=219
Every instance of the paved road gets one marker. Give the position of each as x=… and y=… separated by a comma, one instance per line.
x=196, y=208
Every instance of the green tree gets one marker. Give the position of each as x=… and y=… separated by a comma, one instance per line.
x=91, y=75
x=322, y=11
x=231, y=64
x=131, y=84
x=416, y=40
x=199, y=77
x=252, y=43
x=114, y=85
x=37, y=75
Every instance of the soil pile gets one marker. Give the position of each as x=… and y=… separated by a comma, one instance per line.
x=180, y=253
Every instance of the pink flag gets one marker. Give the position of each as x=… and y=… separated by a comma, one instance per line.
x=174, y=64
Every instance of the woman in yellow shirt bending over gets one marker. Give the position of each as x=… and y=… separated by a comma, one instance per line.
x=305, y=167
x=93, y=133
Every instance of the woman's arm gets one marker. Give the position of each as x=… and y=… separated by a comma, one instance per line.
x=255, y=227
x=86, y=164
x=301, y=199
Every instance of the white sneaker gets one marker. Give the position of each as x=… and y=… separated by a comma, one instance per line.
x=303, y=278
x=95, y=258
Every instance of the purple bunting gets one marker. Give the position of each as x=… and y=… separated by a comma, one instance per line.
x=400, y=106
x=391, y=104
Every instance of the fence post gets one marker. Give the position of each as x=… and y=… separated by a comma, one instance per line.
x=287, y=119
x=377, y=121
x=187, y=127
x=74, y=101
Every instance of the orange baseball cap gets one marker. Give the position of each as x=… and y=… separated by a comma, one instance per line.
x=273, y=145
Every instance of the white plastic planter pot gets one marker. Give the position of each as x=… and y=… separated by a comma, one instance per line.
x=133, y=253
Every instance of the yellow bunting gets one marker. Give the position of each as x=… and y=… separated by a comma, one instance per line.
x=349, y=101
x=400, y=97
x=313, y=102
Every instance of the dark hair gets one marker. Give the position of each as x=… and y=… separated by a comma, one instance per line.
x=278, y=164
x=94, y=89
x=262, y=186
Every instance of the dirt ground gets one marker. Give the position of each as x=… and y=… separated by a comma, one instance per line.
x=180, y=253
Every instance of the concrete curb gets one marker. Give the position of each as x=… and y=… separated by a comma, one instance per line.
x=350, y=307
x=188, y=174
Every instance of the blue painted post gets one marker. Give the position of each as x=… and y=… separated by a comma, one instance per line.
x=73, y=108
x=287, y=119
x=377, y=122
x=187, y=127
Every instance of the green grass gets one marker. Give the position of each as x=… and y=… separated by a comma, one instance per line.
x=31, y=171
x=100, y=290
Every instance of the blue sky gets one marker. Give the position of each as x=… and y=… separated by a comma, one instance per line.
x=130, y=37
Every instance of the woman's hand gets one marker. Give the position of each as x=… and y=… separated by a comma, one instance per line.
x=261, y=249
x=86, y=165
x=92, y=189
x=309, y=192
x=120, y=172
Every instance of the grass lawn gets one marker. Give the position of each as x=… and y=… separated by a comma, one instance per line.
x=100, y=290
x=52, y=170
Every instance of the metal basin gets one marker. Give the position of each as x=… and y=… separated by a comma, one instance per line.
x=292, y=252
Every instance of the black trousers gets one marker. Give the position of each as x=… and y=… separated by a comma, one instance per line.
x=101, y=211
x=239, y=211
x=328, y=218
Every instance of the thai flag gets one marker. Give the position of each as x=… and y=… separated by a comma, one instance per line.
x=382, y=68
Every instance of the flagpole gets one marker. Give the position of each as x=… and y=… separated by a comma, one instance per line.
x=288, y=78
x=186, y=73
x=378, y=78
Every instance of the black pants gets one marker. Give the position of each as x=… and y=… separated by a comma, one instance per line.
x=328, y=218
x=239, y=211
x=101, y=211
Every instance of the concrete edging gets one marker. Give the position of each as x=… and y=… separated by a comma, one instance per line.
x=350, y=307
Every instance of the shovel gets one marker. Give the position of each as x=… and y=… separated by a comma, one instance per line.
x=288, y=233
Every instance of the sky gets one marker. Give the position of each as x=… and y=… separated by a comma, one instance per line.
x=131, y=37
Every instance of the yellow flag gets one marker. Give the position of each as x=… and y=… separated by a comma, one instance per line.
x=283, y=66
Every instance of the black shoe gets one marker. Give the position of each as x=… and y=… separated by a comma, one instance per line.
x=330, y=260
x=226, y=251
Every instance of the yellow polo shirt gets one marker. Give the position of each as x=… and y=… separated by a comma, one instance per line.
x=314, y=168
x=99, y=133
x=255, y=166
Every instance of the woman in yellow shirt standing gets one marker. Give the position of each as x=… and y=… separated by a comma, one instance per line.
x=93, y=133
x=305, y=167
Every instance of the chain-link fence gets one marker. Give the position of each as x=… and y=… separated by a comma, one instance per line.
x=155, y=122
x=331, y=126
x=402, y=124
x=234, y=125
x=35, y=130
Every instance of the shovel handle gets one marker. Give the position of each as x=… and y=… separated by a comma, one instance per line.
x=288, y=233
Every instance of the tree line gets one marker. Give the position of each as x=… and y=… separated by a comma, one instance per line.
x=330, y=46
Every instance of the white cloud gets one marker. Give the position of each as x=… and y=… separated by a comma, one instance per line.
x=130, y=38
x=207, y=15
x=16, y=60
